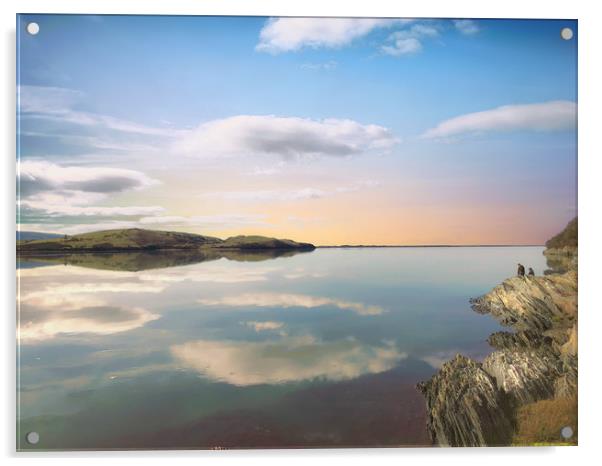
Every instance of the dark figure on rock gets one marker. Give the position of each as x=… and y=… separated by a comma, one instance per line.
x=531, y=273
x=521, y=270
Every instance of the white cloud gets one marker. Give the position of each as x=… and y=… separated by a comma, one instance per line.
x=403, y=47
x=290, y=34
x=263, y=326
x=287, y=137
x=466, y=26
x=547, y=116
x=287, y=300
x=289, y=359
x=408, y=41
x=46, y=176
x=70, y=191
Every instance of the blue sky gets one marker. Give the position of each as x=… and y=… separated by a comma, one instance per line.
x=145, y=98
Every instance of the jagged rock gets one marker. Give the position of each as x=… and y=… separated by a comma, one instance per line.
x=570, y=347
x=525, y=376
x=531, y=303
x=524, y=340
x=566, y=385
x=465, y=407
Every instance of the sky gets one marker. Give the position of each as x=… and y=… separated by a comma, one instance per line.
x=327, y=130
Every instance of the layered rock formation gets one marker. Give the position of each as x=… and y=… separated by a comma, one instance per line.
x=531, y=303
x=474, y=404
x=465, y=407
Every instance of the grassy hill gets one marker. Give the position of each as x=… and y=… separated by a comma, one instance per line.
x=567, y=238
x=137, y=239
x=261, y=242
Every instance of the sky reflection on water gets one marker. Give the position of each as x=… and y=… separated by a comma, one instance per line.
x=317, y=349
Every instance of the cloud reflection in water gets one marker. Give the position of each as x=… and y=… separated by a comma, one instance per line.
x=287, y=300
x=288, y=359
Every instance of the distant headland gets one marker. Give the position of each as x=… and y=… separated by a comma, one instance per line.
x=138, y=239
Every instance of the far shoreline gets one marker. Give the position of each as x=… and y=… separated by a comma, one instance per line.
x=350, y=246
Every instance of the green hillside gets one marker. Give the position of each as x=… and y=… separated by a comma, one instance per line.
x=262, y=242
x=566, y=238
x=137, y=239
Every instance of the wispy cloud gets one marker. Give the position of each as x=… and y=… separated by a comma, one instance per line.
x=47, y=100
x=268, y=195
x=222, y=220
x=266, y=171
x=64, y=205
x=409, y=41
x=547, y=116
x=291, y=34
x=147, y=218
x=264, y=325
x=59, y=104
x=287, y=137
x=467, y=26
x=329, y=65
x=287, y=195
x=57, y=123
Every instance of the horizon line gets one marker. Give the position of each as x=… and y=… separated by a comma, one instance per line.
x=431, y=246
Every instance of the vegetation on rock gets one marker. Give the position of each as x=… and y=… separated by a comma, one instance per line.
x=540, y=423
x=567, y=238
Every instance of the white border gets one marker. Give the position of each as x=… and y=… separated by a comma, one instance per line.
x=590, y=326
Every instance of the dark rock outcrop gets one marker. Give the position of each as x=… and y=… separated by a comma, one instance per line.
x=523, y=340
x=465, y=407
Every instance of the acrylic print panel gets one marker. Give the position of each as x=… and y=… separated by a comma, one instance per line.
x=248, y=232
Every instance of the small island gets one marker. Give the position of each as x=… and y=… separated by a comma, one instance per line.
x=140, y=240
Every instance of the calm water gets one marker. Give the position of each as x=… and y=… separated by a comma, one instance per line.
x=314, y=349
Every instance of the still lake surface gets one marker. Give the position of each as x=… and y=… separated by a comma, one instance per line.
x=318, y=349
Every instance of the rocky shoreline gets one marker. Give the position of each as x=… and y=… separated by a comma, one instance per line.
x=477, y=404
